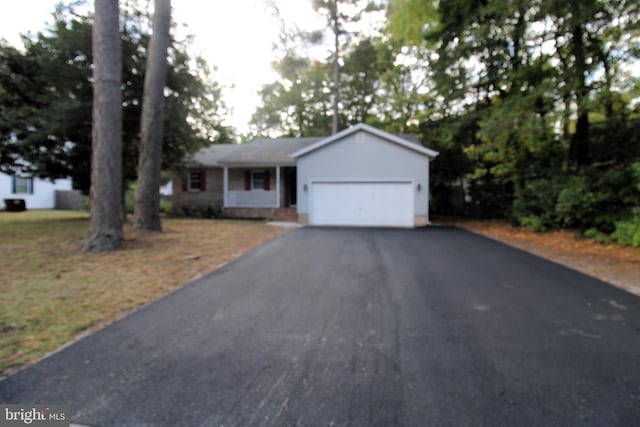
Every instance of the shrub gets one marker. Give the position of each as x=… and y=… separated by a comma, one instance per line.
x=627, y=232
x=576, y=203
x=597, y=196
x=635, y=172
x=166, y=206
x=597, y=235
x=533, y=222
x=535, y=203
x=129, y=200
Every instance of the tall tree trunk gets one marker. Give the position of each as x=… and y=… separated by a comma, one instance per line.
x=147, y=205
x=608, y=79
x=579, y=145
x=565, y=92
x=336, y=65
x=105, y=229
x=518, y=39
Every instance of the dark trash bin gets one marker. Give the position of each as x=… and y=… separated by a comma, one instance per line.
x=15, y=205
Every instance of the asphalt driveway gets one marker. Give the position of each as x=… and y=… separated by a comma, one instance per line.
x=361, y=327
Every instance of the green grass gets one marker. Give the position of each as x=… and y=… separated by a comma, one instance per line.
x=35, y=216
x=50, y=291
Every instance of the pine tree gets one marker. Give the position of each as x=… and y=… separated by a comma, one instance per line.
x=147, y=204
x=105, y=229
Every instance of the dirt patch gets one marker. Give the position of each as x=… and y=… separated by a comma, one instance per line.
x=614, y=264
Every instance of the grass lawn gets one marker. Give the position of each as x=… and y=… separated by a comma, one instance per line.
x=50, y=291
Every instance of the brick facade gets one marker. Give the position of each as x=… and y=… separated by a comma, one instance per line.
x=191, y=202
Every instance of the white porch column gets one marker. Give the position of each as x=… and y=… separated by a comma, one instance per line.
x=277, y=186
x=225, y=185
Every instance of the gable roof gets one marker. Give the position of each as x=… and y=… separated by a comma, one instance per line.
x=284, y=151
x=268, y=151
x=211, y=155
x=407, y=141
x=410, y=138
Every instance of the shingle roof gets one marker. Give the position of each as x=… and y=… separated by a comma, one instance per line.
x=211, y=155
x=408, y=141
x=409, y=137
x=266, y=151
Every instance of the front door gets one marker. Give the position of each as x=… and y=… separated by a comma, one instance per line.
x=291, y=187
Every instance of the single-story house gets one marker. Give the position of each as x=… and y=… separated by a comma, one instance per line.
x=36, y=193
x=360, y=176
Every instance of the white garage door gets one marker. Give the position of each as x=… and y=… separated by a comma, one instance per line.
x=362, y=203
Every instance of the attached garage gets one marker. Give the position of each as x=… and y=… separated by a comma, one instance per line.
x=362, y=203
x=364, y=177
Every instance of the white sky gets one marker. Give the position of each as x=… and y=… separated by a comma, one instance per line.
x=236, y=36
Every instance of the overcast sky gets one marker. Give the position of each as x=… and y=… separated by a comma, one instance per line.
x=236, y=36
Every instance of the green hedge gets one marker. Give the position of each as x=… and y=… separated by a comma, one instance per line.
x=627, y=232
x=597, y=199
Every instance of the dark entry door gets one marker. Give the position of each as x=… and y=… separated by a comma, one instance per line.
x=292, y=187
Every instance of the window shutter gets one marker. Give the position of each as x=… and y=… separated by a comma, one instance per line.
x=267, y=180
x=203, y=181
x=185, y=183
x=13, y=184
x=30, y=185
x=247, y=180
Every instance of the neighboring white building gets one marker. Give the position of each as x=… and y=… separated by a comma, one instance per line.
x=37, y=193
x=166, y=189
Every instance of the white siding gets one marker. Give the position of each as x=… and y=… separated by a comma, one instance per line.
x=362, y=156
x=43, y=196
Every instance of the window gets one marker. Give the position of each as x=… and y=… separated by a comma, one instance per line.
x=22, y=185
x=195, y=181
x=257, y=181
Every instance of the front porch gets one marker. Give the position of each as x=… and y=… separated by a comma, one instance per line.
x=259, y=187
x=274, y=214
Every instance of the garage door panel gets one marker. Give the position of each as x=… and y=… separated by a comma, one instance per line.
x=362, y=203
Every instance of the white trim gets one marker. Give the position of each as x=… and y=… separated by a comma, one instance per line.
x=27, y=181
x=264, y=179
x=278, y=186
x=253, y=207
x=225, y=186
x=371, y=130
x=233, y=198
x=252, y=199
x=257, y=165
x=198, y=189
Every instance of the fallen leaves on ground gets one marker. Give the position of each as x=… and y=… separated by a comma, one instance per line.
x=615, y=264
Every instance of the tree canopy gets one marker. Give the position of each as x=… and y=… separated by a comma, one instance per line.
x=46, y=98
x=534, y=105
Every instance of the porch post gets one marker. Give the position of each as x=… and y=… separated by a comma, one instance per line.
x=225, y=185
x=277, y=186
